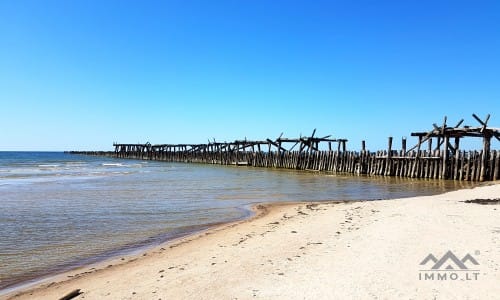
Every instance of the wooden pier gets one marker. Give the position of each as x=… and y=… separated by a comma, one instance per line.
x=444, y=161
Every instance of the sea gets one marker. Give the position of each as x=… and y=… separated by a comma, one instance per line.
x=59, y=211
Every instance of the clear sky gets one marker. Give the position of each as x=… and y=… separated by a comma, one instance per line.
x=81, y=74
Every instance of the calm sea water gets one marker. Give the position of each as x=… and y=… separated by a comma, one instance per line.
x=58, y=210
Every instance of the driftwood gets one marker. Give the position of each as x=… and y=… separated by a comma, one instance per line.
x=484, y=201
x=71, y=295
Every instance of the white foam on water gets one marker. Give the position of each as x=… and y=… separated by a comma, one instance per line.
x=70, y=163
x=112, y=165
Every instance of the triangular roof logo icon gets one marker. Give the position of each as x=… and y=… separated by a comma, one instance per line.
x=429, y=257
x=446, y=257
x=450, y=260
x=469, y=257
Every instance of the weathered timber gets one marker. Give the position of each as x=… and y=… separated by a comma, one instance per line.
x=71, y=295
x=463, y=165
x=447, y=162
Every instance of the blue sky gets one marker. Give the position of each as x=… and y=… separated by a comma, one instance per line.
x=82, y=74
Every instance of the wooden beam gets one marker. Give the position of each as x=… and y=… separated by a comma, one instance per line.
x=485, y=156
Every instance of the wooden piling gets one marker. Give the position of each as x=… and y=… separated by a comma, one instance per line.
x=484, y=157
x=448, y=163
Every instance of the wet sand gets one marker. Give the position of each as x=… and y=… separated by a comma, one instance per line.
x=322, y=250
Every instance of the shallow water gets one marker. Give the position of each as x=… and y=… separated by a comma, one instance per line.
x=60, y=210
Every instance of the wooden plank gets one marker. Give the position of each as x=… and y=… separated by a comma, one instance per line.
x=473, y=166
x=497, y=166
x=468, y=169
x=484, y=157
x=491, y=165
x=71, y=295
x=445, y=161
x=462, y=161
x=388, y=161
x=456, y=164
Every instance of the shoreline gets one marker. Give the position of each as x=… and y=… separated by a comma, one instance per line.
x=57, y=285
x=96, y=262
x=254, y=211
x=141, y=247
x=132, y=252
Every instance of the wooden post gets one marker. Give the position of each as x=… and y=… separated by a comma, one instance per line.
x=445, y=157
x=485, y=156
x=388, y=165
x=310, y=154
x=268, y=161
x=237, y=146
x=279, y=159
x=363, y=146
x=403, y=145
x=416, y=163
x=220, y=153
x=497, y=166
x=457, y=143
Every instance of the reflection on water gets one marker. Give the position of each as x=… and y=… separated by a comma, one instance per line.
x=60, y=210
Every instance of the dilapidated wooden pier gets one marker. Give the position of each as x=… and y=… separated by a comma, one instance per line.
x=443, y=161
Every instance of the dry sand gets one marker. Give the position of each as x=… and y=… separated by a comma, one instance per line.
x=359, y=250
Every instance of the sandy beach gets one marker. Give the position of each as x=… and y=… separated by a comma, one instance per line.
x=434, y=247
